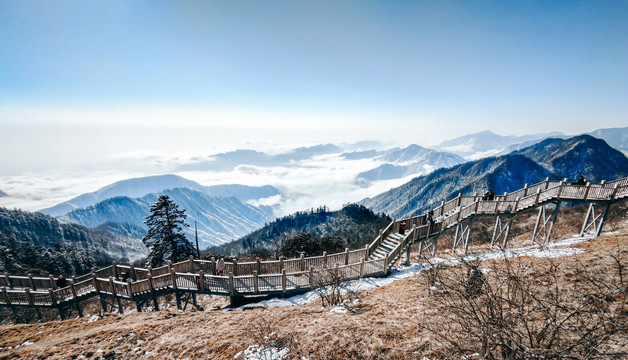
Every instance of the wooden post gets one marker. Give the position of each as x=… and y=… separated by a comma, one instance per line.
x=386, y=265
x=7, y=300
x=302, y=262
x=560, y=189
x=324, y=258
x=132, y=274
x=538, y=196
x=201, y=281
x=152, y=289
x=55, y=304
x=32, y=282
x=259, y=265
x=191, y=264
x=362, y=268
x=346, y=256
x=435, y=245
x=115, y=295
x=8, y=280
x=310, y=278
x=231, y=285
x=129, y=289
x=281, y=262
x=525, y=190
x=499, y=201
x=169, y=265
x=177, y=295
x=114, y=269
x=283, y=281
x=53, y=283
x=514, y=209
x=546, y=183
x=75, y=297
x=255, y=282
x=366, y=251
x=235, y=267
x=32, y=303
x=213, y=266
x=408, y=249
x=586, y=192
x=103, y=303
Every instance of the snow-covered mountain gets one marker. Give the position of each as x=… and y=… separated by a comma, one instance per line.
x=219, y=219
x=138, y=187
x=411, y=160
x=615, y=137
x=487, y=143
x=229, y=160
x=580, y=155
x=554, y=158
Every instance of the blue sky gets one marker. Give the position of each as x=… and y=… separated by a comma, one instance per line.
x=84, y=72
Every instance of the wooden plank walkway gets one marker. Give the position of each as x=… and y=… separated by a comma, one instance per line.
x=288, y=276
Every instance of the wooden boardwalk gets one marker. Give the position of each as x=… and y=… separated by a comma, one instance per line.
x=288, y=276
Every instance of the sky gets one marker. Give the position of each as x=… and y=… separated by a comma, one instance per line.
x=86, y=85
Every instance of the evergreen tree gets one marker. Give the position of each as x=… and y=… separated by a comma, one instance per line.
x=165, y=237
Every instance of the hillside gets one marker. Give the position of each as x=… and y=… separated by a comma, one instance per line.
x=553, y=158
x=404, y=316
x=354, y=224
x=219, y=219
x=505, y=173
x=24, y=232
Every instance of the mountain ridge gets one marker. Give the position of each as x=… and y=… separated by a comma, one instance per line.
x=581, y=155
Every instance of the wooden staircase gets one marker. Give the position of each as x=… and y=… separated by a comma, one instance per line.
x=386, y=247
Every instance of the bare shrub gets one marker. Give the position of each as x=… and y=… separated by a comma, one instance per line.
x=268, y=336
x=531, y=311
x=328, y=283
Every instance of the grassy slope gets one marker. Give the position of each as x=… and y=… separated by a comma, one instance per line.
x=383, y=325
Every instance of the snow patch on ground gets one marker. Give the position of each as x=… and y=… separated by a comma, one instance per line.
x=258, y=352
x=93, y=318
x=552, y=250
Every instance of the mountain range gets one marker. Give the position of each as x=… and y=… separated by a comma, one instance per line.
x=554, y=158
x=138, y=187
x=486, y=143
x=218, y=219
x=399, y=163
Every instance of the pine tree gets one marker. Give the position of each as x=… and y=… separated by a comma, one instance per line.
x=165, y=237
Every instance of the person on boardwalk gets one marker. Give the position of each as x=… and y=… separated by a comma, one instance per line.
x=402, y=227
x=430, y=217
x=581, y=181
x=220, y=266
x=61, y=282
